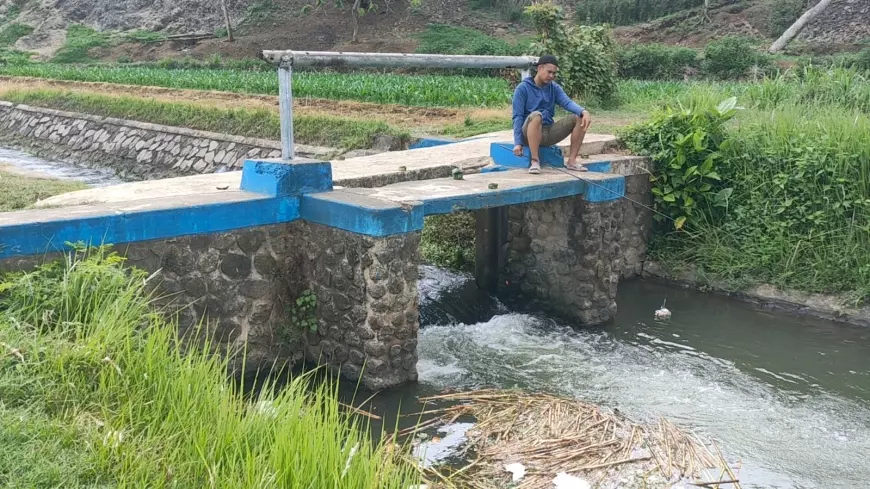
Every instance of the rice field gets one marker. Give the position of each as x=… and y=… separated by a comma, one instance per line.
x=419, y=90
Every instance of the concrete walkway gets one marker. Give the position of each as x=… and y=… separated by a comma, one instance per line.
x=468, y=155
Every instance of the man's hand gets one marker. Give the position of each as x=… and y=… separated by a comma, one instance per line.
x=518, y=150
x=585, y=120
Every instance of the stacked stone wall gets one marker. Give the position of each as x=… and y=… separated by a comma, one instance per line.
x=134, y=150
x=565, y=255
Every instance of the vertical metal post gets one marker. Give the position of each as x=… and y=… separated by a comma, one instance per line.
x=285, y=107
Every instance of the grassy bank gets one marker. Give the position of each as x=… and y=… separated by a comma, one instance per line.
x=421, y=90
x=96, y=391
x=777, y=193
x=20, y=191
x=345, y=133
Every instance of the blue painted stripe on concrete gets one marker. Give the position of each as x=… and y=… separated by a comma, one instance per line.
x=598, y=166
x=494, y=168
x=280, y=178
x=429, y=142
x=361, y=214
x=113, y=227
x=498, y=198
x=503, y=154
x=605, y=190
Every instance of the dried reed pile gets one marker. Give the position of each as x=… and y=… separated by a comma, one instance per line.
x=550, y=435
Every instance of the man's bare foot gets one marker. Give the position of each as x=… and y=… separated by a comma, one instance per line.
x=535, y=167
x=573, y=165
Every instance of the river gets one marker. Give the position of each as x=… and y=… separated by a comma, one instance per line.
x=788, y=397
x=31, y=165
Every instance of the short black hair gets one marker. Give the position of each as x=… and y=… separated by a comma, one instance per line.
x=548, y=59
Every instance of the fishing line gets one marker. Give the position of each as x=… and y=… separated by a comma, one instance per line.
x=621, y=195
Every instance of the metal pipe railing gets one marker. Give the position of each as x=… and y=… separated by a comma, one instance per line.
x=286, y=60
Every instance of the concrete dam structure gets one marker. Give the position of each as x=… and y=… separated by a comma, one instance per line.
x=238, y=248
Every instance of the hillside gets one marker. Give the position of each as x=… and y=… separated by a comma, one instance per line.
x=388, y=26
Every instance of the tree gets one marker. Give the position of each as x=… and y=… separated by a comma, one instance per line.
x=799, y=24
x=227, y=21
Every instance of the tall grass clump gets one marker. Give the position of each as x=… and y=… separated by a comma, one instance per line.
x=421, y=90
x=329, y=131
x=79, y=41
x=98, y=390
x=789, y=203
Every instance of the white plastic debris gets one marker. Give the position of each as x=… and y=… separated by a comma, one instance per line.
x=663, y=313
x=517, y=470
x=567, y=481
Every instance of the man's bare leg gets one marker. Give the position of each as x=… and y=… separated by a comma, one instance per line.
x=577, y=136
x=534, y=135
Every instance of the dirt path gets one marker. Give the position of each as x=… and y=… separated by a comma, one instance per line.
x=416, y=117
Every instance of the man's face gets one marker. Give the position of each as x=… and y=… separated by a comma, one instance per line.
x=547, y=73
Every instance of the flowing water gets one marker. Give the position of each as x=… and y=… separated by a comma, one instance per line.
x=33, y=165
x=788, y=397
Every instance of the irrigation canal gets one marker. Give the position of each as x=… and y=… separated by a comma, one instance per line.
x=788, y=397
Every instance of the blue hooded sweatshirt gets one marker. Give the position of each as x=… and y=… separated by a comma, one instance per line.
x=529, y=97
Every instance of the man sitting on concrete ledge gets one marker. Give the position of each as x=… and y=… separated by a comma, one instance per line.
x=534, y=106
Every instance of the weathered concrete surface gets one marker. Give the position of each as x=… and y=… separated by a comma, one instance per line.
x=513, y=187
x=367, y=171
x=592, y=143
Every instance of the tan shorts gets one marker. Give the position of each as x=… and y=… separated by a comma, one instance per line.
x=554, y=133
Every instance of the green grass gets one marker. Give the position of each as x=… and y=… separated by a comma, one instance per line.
x=19, y=191
x=12, y=32
x=446, y=39
x=96, y=390
x=421, y=90
x=334, y=132
x=79, y=41
x=145, y=36
x=799, y=168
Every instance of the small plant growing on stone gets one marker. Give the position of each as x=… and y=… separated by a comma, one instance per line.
x=302, y=313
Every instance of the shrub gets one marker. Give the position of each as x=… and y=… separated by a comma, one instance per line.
x=625, y=12
x=732, y=57
x=448, y=241
x=783, y=14
x=79, y=40
x=656, y=62
x=687, y=147
x=13, y=32
x=587, y=55
x=145, y=36
x=445, y=39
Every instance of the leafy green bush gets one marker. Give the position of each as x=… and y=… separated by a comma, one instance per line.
x=79, y=40
x=587, y=55
x=732, y=57
x=445, y=39
x=790, y=201
x=13, y=32
x=145, y=36
x=782, y=15
x=625, y=12
x=657, y=62
x=687, y=147
x=448, y=241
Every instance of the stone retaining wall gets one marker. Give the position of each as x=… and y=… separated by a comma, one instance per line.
x=135, y=150
x=245, y=282
x=565, y=255
x=366, y=291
